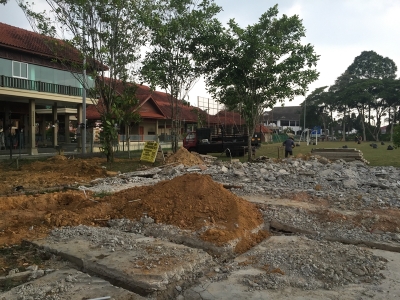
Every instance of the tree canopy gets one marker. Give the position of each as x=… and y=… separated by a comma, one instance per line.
x=255, y=67
x=177, y=28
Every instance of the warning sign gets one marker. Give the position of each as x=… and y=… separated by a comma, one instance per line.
x=149, y=152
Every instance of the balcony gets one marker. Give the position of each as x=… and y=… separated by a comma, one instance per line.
x=39, y=86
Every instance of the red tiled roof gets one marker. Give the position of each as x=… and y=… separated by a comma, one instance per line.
x=35, y=43
x=159, y=100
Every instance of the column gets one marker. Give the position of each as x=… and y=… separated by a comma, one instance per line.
x=32, y=150
x=157, y=131
x=55, y=124
x=78, y=132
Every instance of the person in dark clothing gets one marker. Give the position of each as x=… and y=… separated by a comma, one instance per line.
x=289, y=145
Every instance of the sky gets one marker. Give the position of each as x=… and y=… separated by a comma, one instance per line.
x=339, y=30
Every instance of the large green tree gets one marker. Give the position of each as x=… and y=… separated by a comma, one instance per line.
x=319, y=106
x=255, y=67
x=360, y=87
x=108, y=35
x=389, y=91
x=177, y=28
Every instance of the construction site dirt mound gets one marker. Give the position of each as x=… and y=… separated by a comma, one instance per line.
x=191, y=201
x=185, y=157
x=53, y=172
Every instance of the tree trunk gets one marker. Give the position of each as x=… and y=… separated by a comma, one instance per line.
x=363, y=128
x=249, y=153
x=128, y=140
x=344, y=127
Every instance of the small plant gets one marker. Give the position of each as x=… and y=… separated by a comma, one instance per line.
x=318, y=187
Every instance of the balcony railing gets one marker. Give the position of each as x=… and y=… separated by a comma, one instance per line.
x=39, y=86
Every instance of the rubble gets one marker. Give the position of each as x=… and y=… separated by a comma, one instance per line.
x=324, y=215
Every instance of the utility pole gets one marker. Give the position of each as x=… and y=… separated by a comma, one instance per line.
x=84, y=89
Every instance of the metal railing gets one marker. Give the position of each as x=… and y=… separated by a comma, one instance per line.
x=39, y=86
x=138, y=137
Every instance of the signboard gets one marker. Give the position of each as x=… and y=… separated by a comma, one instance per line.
x=316, y=131
x=149, y=152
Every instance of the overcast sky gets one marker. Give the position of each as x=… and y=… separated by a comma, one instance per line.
x=339, y=30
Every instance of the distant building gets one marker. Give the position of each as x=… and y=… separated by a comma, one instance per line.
x=280, y=118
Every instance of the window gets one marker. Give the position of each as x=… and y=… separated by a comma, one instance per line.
x=20, y=69
x=284, y=123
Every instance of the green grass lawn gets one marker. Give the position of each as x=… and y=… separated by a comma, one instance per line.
x=377, y=157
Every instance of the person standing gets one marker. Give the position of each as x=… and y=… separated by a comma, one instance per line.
x=289, y=145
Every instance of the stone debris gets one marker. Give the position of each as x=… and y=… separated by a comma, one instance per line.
x=310, y=264
x=331, y=208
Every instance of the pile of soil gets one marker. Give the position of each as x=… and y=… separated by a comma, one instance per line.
x=191, y=201
x=184, y=157
x=56, y=171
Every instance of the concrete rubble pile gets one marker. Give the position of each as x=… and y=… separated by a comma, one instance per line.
x=327, y=220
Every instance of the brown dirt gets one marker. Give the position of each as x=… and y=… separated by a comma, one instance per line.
x=190, y=201
x=387, y=220
x=184, y=157
x=56, y=171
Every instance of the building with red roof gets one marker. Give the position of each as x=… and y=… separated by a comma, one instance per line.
x=37, y=90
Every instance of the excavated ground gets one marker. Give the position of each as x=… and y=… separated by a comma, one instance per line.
x=190, y=202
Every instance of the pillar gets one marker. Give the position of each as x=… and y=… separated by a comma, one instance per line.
x=79, y=109
x=32, y=150
x=55, y=124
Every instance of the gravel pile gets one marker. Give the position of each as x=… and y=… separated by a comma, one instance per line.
x=320, y=264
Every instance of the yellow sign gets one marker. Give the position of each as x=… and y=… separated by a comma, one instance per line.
x=149, y=152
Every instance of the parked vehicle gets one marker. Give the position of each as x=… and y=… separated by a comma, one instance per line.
x=203, y=142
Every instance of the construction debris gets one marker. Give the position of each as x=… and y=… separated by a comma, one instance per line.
x=346, y=154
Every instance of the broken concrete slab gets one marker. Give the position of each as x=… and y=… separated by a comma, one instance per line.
x=140, y=264
x=69, y=284
x=246, y=281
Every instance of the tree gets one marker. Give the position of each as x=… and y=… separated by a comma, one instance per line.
x=391, y=94
x=126, y=110
x=255, y=67
x=320, y=106
x=360, y=87
x=177, y=27
x=108, y=35
x=396, y=136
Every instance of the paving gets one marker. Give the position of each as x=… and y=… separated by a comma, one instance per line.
x=238, y=285
x=71, y=284
x=244, y=280
x=145, y=265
